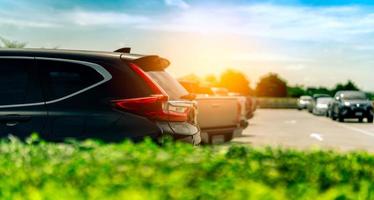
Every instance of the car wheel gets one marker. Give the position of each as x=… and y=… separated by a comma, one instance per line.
x=360, y=120
x=332, y=116
x=370, y=119
x=341, y=118
x=229, y=136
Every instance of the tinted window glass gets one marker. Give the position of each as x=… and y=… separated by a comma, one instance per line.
x=324, y=100
x=353, y=96
x=171, y=86
x=18, y=82
x=65, y=78
x=126, y=83
x=305, y=98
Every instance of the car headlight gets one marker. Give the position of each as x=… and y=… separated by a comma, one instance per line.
x=347, y=104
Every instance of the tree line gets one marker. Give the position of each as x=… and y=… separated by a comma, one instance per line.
x=270, y=85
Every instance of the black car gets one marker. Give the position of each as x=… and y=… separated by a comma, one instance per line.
x=62, y=94
x=351, y=104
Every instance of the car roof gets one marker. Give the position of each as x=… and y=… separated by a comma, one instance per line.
x=146, y=62
x=68, y=54
x=348, y=92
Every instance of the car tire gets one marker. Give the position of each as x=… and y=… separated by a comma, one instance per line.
x=360, y=120
x=229, y=136
x=341, y=118
x=370, y=119
x=332, y=116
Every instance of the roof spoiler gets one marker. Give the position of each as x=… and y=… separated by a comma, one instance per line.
x=123, y=50
x=148, y=63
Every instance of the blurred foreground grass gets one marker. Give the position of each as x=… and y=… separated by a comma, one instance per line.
x=90, y=170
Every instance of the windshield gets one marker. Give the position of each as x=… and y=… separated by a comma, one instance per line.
x=353, y=96
x=306, y=98
x=324, y=100
x=171, y=86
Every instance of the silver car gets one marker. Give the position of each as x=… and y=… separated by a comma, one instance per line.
x=321, y=106
x=303, y=102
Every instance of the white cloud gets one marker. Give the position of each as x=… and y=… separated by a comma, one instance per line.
x=340, y=23
x=178, y=3
x=268, y=57
x=297, y=67
x=85, y=18
x=26, y=23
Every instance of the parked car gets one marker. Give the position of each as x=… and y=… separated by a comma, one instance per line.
x=218, y=116
x=303, y=102
x=64, y=94
x=312, y=104
x=351, y=104
x=247, y=110
x=321, y=106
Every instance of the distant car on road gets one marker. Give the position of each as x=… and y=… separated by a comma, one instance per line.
x=321, y=106
x=314, y=100
x=303, y=102
x=351, y=104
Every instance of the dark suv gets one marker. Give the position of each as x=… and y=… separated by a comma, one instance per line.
x=351, y=104
x=64, y=94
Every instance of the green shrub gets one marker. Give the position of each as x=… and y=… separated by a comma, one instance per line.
x=90, y=170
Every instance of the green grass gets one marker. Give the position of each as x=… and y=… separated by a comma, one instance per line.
x=91, y=170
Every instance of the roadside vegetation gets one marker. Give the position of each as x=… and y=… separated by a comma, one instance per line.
x=91, y=170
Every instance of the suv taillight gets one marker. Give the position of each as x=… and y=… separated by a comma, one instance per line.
x=154, y=107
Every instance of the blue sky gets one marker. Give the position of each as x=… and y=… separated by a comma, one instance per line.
x=307, y=42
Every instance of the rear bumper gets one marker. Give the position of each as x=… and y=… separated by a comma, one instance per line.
x=220, y=130
x=181, y=131
x=320, y=111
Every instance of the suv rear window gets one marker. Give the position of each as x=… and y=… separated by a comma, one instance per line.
x=65, y=78
x=171, y=86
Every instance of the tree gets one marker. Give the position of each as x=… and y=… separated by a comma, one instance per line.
x=295, y=91
x=235, y=81
x=212, y=80
x=193, y=78
x=348, y=86
x=271, y=86
x=11, y=44
x=318, y=90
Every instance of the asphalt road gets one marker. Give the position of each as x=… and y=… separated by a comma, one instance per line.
x=299, y=129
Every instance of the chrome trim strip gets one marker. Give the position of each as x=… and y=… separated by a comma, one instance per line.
x=101, y=70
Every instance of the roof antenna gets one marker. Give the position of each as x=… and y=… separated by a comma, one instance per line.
x=123, y=50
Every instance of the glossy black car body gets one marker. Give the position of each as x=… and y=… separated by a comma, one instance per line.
x=351, y=104
x=64, y=94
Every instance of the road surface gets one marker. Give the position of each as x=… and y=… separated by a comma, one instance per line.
x=299, y=129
